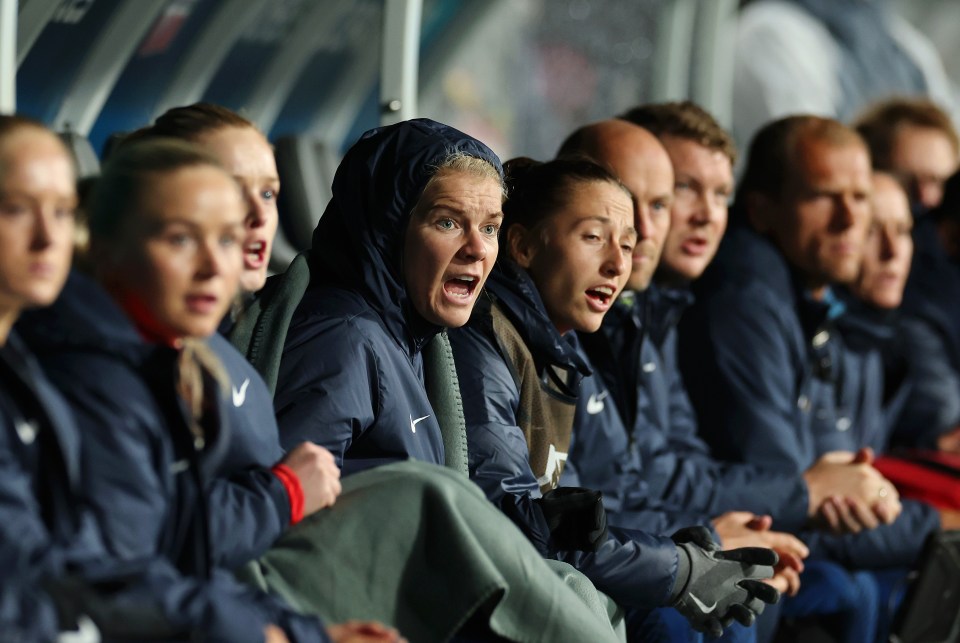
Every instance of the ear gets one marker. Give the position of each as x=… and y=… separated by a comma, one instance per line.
x=758, y=208
x=519, y=243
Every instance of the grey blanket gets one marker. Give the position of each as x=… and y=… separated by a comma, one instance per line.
x=419, y=547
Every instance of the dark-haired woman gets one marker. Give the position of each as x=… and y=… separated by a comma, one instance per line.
x=566, y=246
x=166, y=227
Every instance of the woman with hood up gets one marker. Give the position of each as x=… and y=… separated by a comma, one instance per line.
x=401, y=253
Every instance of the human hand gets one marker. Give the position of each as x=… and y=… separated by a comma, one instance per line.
x=950, y=441
x=745, y=529
x=949, y=519
x=722, y=586
x=318, y=474
x=273, y=634
x=364, y=632
x=848, y=494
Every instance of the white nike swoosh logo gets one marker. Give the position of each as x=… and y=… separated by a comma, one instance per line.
x=703, y=607
x=414, y=423
x=595, y=403
x=239, y=396
x=27, y=431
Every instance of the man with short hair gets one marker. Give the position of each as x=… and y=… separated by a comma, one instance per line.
x=916, y=141
x=761, y=352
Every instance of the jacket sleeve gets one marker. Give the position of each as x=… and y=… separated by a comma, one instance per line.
x=26, y=613
x=741, y=374
x=26, y=549
x=932, y=404
x=248, y=510
x=121, y=430
x=327, y=388
x=896, y=545
x=690, y=480
x=636, y=569
x=148, y=597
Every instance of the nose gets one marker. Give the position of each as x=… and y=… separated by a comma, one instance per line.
x=888, y=245
x=617, y=262
x=210, y=260
x=643, y=221
x=845, y=211
x=930, y=193
x=256, y=209
x=474, y=246
x=42, y=234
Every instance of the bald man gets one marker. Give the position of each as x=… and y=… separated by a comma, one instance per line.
x=643, y=166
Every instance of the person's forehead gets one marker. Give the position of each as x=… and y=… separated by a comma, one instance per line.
x=819, y=158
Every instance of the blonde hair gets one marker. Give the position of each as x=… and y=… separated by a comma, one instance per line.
x=114, y=208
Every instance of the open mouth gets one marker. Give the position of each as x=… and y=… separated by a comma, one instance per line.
x=254, y=254
x=602, y=295
x=461, y=287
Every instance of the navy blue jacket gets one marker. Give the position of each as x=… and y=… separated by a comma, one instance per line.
x=143, y=474
x=931, y=334
x=250, y=507
x=764, y=366
x=43, y=526
x=351, y=376
x=677, y=468
x=636, y=569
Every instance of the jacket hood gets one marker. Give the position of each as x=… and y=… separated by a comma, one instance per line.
x=521, y=301
x=359, y=241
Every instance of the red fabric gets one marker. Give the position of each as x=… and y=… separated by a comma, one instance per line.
x=294, y=491
x=933, y=484
x=148, y=326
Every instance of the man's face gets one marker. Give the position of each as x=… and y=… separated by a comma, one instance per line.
x=820, y=220
x=644, y=167
x=702, y=189
x=924, y=158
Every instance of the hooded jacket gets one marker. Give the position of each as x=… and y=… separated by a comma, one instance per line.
x=351, y=374
x=635, y=568
x=764, y=367
x=673, y=467
x=143, y=474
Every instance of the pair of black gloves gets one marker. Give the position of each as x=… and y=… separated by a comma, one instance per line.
x=713, y=588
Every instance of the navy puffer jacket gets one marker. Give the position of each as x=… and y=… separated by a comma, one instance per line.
x=635, y=568
x=144, y=475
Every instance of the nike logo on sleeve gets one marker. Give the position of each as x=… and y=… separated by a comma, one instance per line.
x=414, y=423
x=239, y=396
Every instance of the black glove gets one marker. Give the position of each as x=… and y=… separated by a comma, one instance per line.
x=576, y=518
x=721, y=586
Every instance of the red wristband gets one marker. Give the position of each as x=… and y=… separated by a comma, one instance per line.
x=294, y=489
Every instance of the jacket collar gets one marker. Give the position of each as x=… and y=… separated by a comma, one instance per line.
x=521, y=302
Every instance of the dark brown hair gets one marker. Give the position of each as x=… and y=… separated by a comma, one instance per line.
x=190, y=123
x=536, y=191
x=879, y=123
x=772, y=154
x=683, y=119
